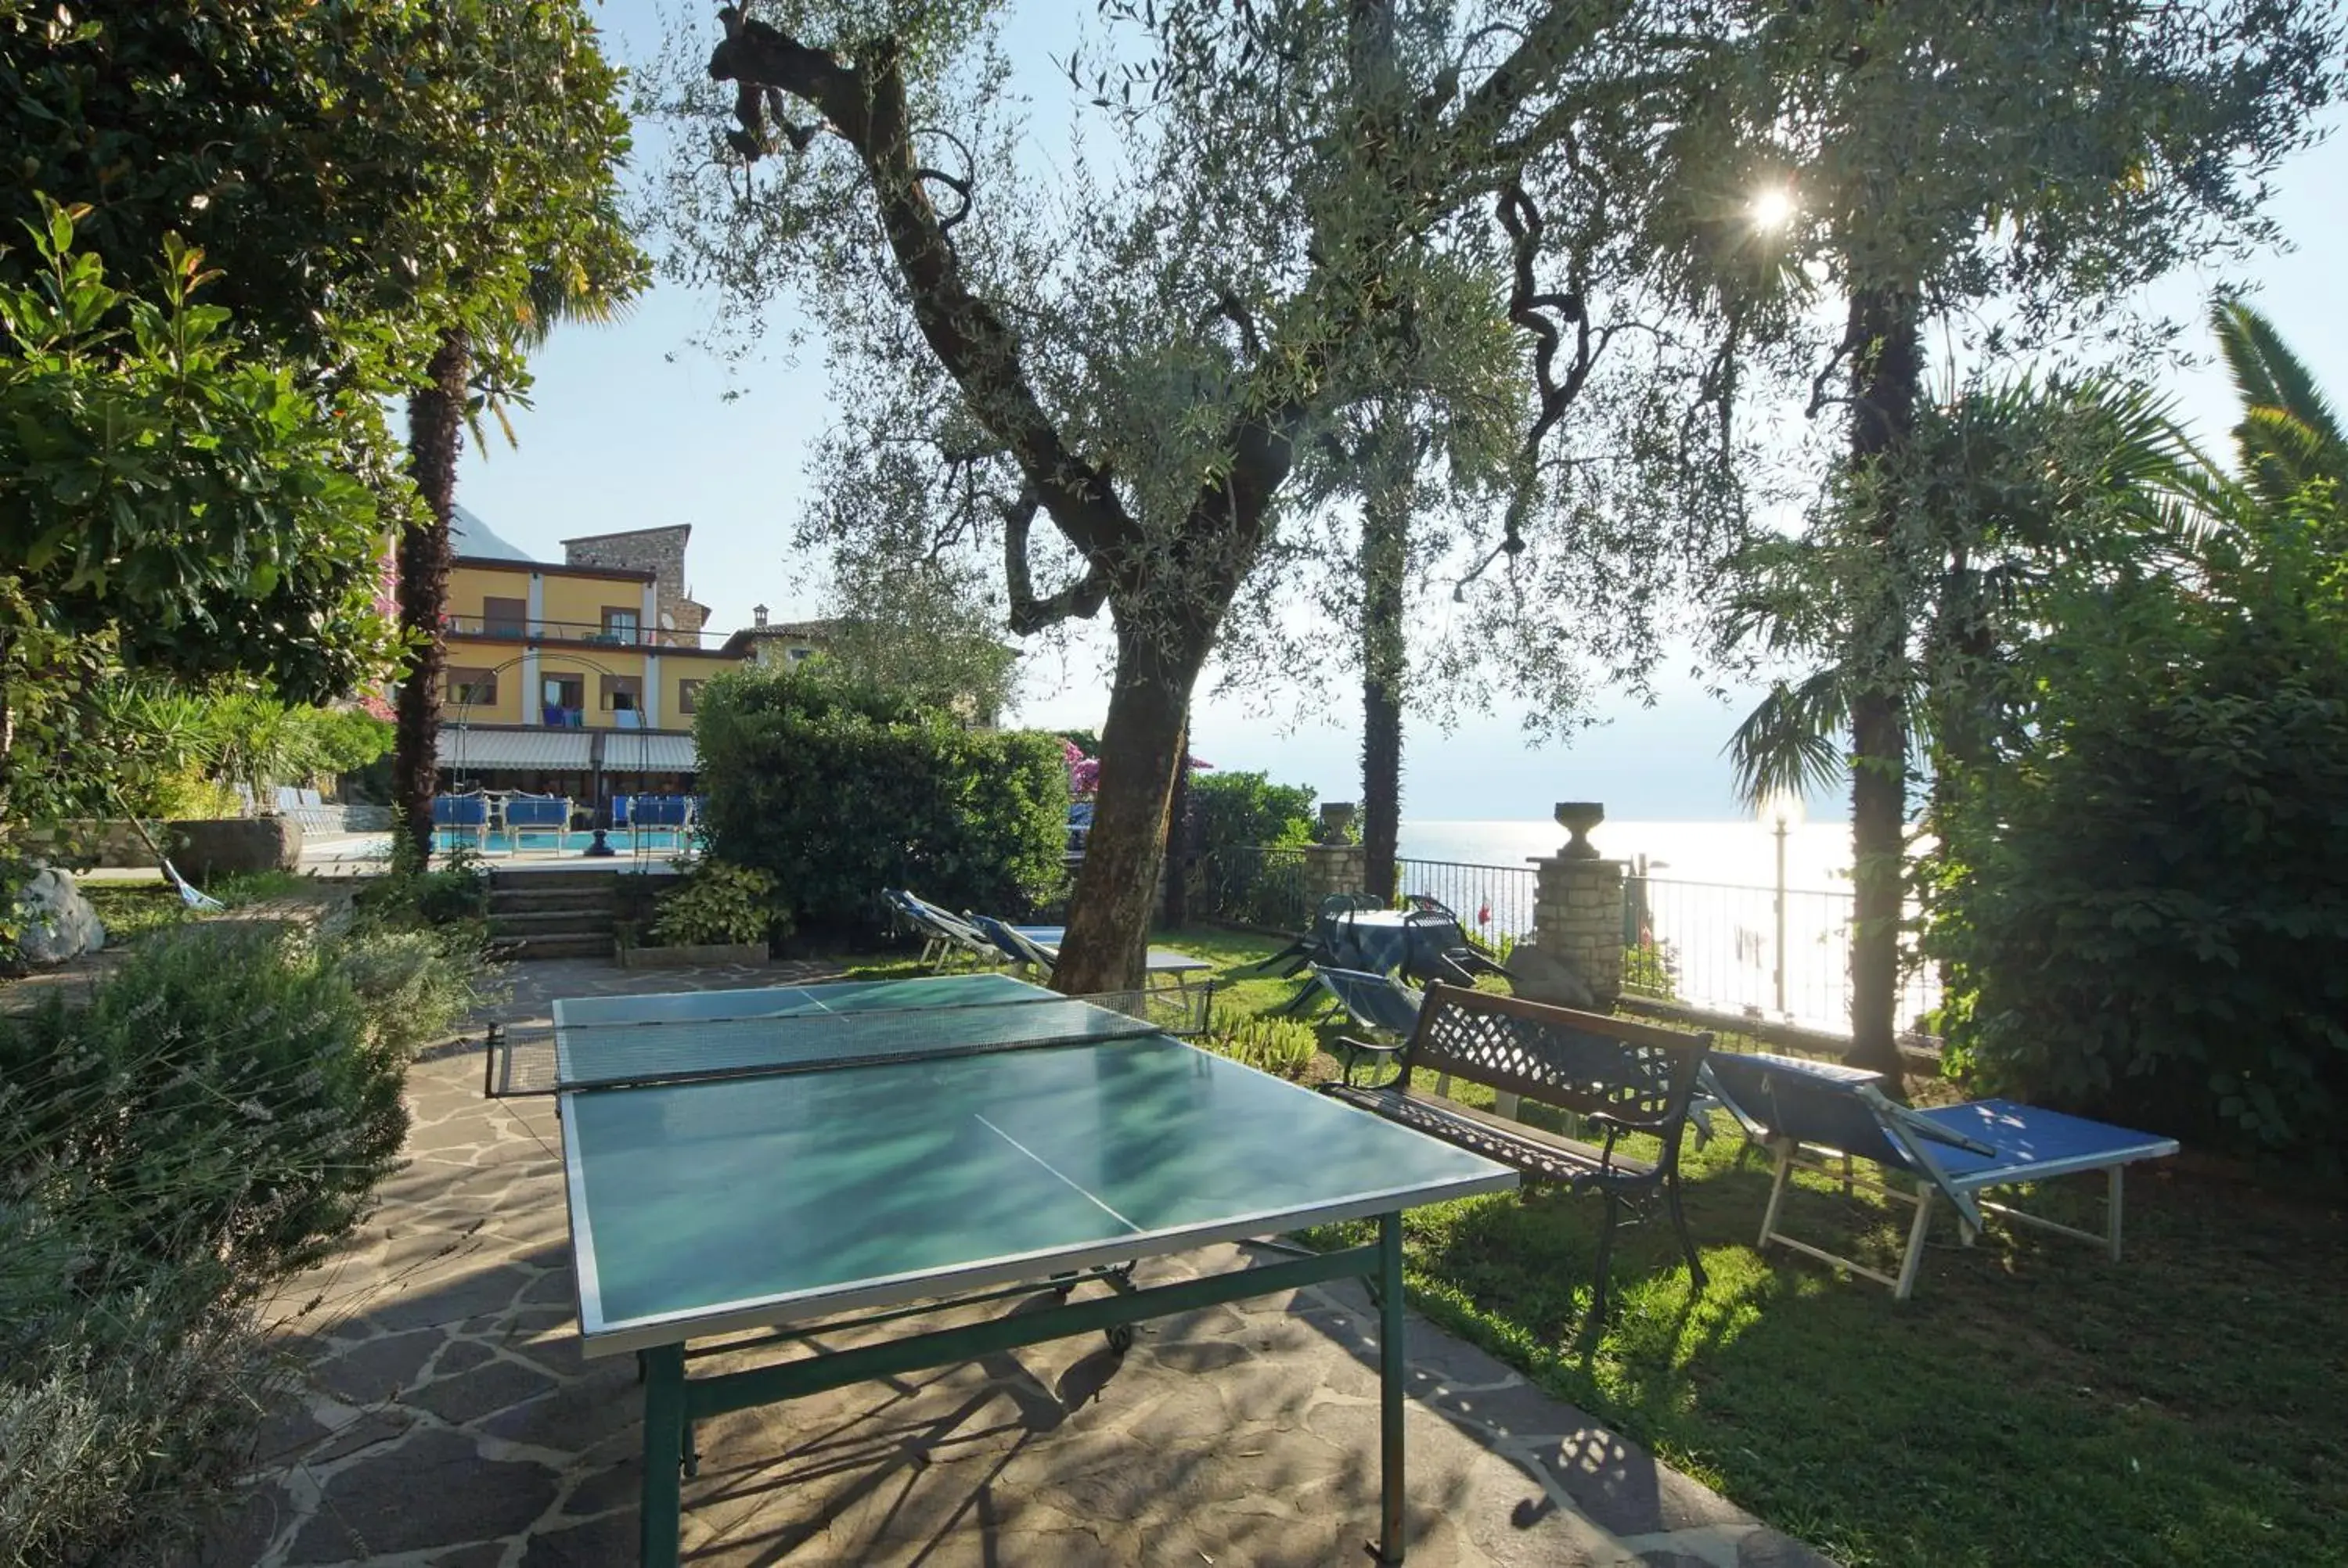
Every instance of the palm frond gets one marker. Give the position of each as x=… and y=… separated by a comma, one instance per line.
x=1792, y=739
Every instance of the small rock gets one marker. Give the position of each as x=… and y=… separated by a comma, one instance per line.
x=55, y=921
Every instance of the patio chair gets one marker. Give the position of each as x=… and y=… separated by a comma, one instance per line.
x=1437, y=949
x=1794, y=1107
x=538, y=814
x=1316, y=946
x=942, y=934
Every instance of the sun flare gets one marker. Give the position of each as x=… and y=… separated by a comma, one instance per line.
x=1773, y=208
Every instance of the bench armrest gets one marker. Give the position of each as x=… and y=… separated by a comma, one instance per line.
x=1354, y=1050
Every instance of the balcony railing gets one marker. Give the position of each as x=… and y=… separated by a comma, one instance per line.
x=588, y=632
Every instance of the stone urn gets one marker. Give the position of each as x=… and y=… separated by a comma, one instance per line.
x=1336, y=820
x=1578, y=817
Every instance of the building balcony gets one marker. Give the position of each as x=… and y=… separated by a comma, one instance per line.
x=581, y=633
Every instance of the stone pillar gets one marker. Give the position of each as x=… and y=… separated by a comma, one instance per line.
x=1577, y=907
x=1333, y=866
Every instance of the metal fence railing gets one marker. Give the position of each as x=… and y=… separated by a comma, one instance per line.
x=1494, y=903
x=1252, y=887
x=1716, y=945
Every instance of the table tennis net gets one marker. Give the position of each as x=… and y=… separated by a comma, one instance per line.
x=543, y=1060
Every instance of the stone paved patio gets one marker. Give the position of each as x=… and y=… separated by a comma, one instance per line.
x=445, y=1416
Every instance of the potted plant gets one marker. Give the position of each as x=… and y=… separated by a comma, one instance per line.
x=716, y=913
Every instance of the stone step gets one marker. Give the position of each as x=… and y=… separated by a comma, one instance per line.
x=566, y=879
x=542, y=901
x=568, y=946
x=553, y=923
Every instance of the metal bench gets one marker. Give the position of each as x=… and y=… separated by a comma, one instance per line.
x=1620, y=1076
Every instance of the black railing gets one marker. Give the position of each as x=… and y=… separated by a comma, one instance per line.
x=1494, y=903
x=588, y=632
x=1252, y=887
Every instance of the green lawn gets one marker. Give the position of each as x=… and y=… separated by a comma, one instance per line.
x=2034, y=1404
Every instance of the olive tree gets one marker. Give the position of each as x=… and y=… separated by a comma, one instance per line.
x=1287, y=212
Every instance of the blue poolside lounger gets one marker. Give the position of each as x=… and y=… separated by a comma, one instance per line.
x=1953, y=1152
x=1372, y=1000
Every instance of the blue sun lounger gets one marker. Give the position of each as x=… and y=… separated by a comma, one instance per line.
x=1374, y=1002
x=1037, y=948
x=942, y=933
x=1955, y=1153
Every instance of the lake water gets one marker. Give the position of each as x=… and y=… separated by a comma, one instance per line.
x=1708, y=908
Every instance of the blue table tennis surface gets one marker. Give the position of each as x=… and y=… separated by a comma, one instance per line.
x=702, y=1207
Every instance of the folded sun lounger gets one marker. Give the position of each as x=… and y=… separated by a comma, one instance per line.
x=1953, y=1152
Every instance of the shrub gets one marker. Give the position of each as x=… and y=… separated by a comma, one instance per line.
x=1281, y=1046
x=840, y=790
x=717, y=903
x=216, y=1116
x=2140, y=906
x=1235, y=818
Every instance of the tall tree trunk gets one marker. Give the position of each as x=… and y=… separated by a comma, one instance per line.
x=1886, y=368
x=1140, y=751
x=1386, y=505
x=435, y=437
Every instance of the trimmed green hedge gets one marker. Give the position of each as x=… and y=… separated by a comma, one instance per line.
x=842, y=791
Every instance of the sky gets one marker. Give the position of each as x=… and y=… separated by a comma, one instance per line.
x=633, y=427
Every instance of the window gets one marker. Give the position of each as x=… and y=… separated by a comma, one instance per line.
x=622, y=692
x=797, y=654
x=688, y=696
x=504, y=617
x=472, y=688
x=564, y=692
x=619, y=625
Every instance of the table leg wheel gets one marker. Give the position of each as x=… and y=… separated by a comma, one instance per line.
x=1120, y=1338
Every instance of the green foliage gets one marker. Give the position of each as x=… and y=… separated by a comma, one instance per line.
x=717, y=903
x=840, y=790
x=1247, y=809
x=2140, y=897
x=163, y=479
x=213, y=1118
x=1284, y=1047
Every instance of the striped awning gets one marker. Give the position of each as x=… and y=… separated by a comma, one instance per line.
x=648, y=752
x=472, y=748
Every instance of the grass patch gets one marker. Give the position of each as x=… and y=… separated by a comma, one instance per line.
x=131, y=911
x=2035, y=1403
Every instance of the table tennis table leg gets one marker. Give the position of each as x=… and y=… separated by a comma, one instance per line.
x=660, y=1513
x=1393, y=1374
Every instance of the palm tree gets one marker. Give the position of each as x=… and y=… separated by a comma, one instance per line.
x=597, y=286
x=2002, y=492
x=2288, y=436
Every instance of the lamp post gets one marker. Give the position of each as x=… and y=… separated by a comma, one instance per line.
x=1781, y=810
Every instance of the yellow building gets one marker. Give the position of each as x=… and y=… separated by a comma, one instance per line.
x=576, y=680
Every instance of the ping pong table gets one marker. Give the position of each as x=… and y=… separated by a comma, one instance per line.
x=765, y=1160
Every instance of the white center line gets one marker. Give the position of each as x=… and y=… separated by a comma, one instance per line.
x=1047, y=1164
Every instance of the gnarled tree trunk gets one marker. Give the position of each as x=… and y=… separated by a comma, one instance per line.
x=1886, y=368
x=1140, y=752
x=435, y=436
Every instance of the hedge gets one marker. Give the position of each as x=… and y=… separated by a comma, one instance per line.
x=840, y=790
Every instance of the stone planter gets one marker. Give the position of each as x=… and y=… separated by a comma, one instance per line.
x=235, y=846
x=701, y=955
